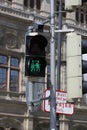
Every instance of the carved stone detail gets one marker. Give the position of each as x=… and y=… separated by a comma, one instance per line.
x=11, y=41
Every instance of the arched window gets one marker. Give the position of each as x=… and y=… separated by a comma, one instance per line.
x=38, y=4
x=63, y=8
x=25, y=3
x=82, y=16
x=31, y=3
x=77, y=15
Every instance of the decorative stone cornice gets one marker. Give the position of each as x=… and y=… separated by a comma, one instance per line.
x=23, y=14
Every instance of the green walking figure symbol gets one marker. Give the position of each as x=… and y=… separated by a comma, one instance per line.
x=38, y=66
x=32, y=66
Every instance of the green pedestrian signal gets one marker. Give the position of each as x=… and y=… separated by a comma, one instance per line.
x=35, y=62
x=35, y=66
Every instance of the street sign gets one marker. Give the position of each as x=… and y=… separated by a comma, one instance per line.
x=62, y=106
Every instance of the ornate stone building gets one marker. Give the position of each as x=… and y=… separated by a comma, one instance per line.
x=15, y=17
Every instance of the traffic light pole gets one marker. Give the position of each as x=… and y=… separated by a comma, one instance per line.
x=59, y=51
x=53, y=80
x=59, y=44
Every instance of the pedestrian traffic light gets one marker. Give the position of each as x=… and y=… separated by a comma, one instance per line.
x=84, y=65
x=76, y=67
x=35, y=62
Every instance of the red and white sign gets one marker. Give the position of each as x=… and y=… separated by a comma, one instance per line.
x=62, y=106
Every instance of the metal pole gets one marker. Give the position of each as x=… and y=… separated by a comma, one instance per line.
x=59, y=52
x=59, y=44
x=52, y=63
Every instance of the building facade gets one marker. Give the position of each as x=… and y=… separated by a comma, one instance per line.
x=15, y=18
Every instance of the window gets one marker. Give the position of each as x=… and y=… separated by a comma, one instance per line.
x=25, y=3
x=14, y=62
x=57, y=8
x=3, y=78
x=33, y=4
x=81, y=15
x=38, y=4
x=3, y=72
x=9, y=72
x=77, y=15
x=14, y=74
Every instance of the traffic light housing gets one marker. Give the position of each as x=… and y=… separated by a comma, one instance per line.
x=84, y=66
x=69, y=4
x=76, y=67
x=35, y=61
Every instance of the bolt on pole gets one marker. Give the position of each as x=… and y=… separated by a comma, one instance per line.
x=52, y=63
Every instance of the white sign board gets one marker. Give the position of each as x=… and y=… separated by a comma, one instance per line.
x=62, y=106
